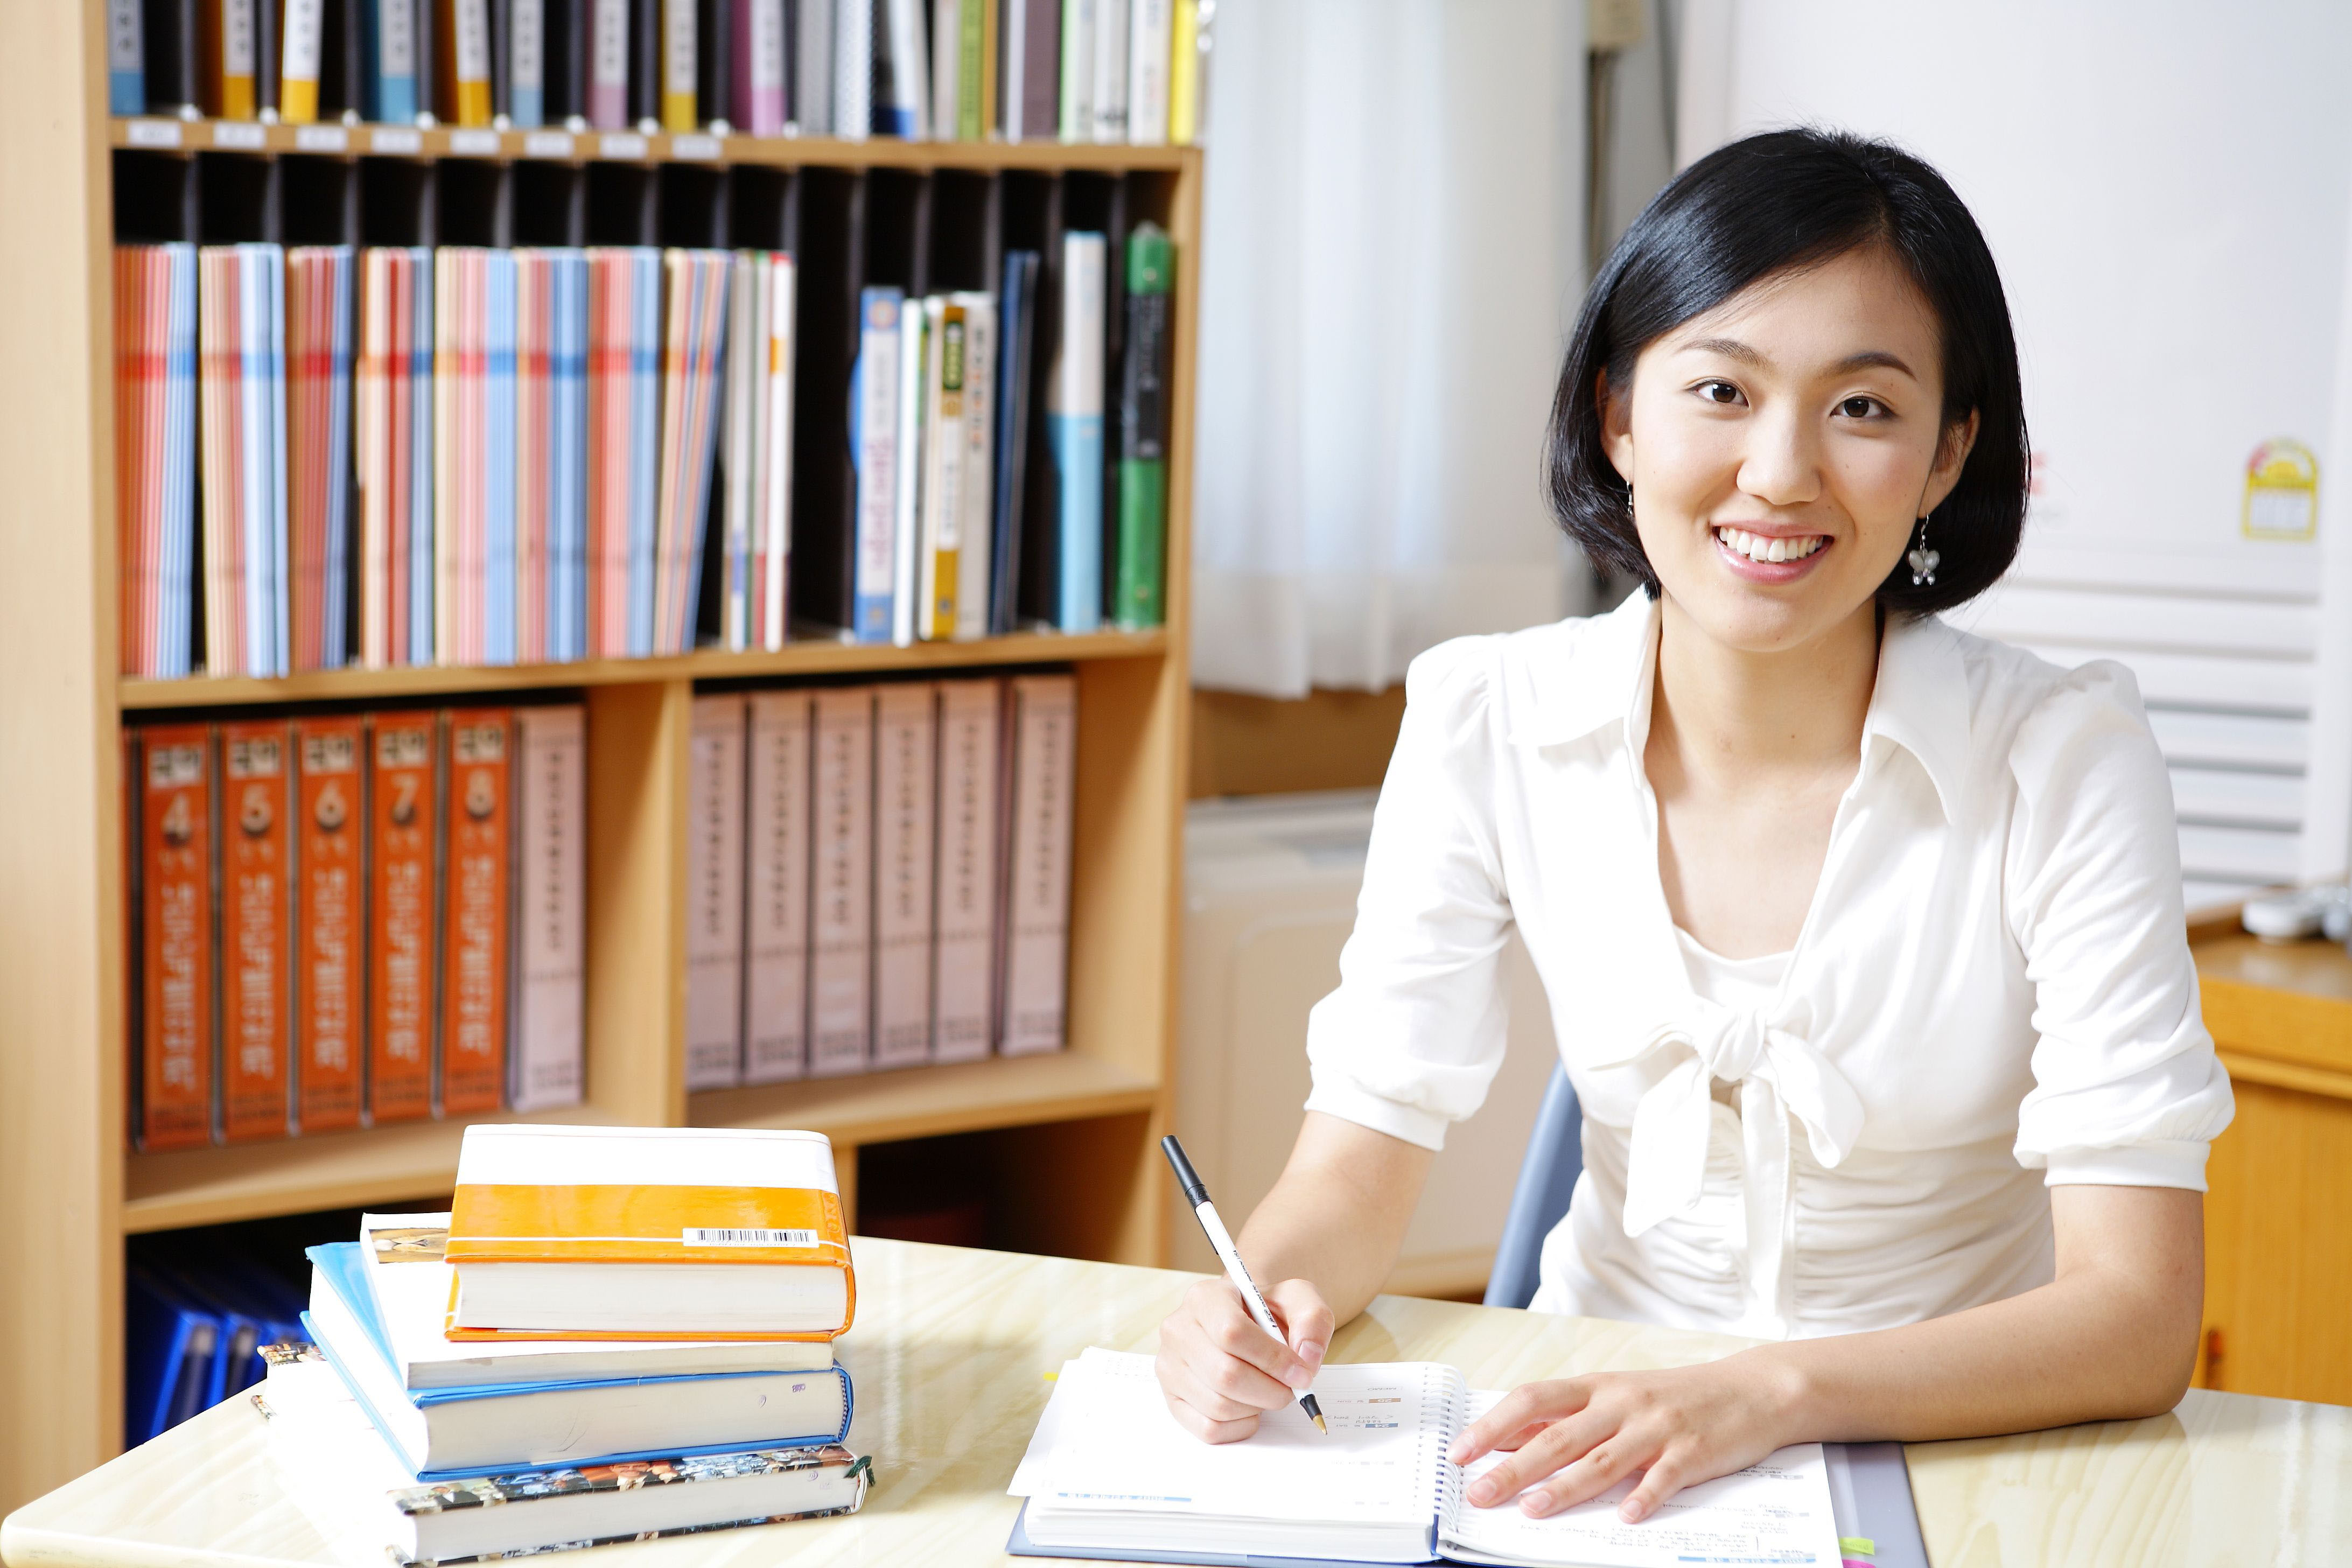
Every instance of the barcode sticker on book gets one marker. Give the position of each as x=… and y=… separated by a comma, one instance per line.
x=700, y=1235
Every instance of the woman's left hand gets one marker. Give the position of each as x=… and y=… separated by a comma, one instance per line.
x=1580, y=1436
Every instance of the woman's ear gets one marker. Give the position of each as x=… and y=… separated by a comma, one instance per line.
x=1616, y=424
x=1951, y=455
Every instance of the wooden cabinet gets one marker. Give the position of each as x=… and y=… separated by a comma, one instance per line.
x=2278, y=1218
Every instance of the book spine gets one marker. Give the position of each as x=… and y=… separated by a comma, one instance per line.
x=746, y=372
x=776, y=452
x=1110, y=66
x=1037, y=865
x=568, y=591
x=477, y=811
x=468, y=27
x=527, y=63
x=501, y=579
x=813, y=67
x=547, y=1069
x=964, y=969
x=1147, y=74
x=853, y=69
x=906, y=110
x=608, y=64
x=760, y=65
x=533, y=459
x=1012, y=50
x=176, y=949
x=256, y=896
x=394, y=40
x=906, y=730
x=231, y=45
x=874, y=439
x=714, y=896
x=678, y=108
x=841, y=876
x=1076, y=119
x=298, y=91
x=992, y=67
x=448, y=431
x=1015, y=360
x=776, y=901
x=1075, y=421
x=946, y=439
x=644, y=447
x=1183, y=71
x=972, y=57
x=328, y=890
x=423, y=525
x=975, y=540
x=947, y=66
x=907, y=472
x=1140, y=589
x=126, y=58
x=402, y=808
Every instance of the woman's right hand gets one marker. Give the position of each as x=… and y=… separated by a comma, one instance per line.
x=1220, y=1370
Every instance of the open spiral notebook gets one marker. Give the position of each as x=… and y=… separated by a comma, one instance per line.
x=1108, y=1473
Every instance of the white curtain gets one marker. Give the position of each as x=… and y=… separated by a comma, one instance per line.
x=1394, y=252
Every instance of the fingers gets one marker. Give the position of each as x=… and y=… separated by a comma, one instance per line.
x=1564, y=1442
x=1510, y=1423
x=1219, y=1369
x=1300, y=1308
x=1667, y=1475
x=1206, y=1428
x=1601, y=1466
x=1228, y=1328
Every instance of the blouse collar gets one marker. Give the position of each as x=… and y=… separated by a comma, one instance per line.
x=1920, y=702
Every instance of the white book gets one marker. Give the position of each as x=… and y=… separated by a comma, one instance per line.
x=911, y=84
x=1077, y=88
x=545, y=1067
x=963, y=983
x=841, y=883
x=853, y=68
x=776, y=900
x=746, y=382
x=714, y=895
x=1043, y=733
x=947, y=76
x=1148, y=46
x=813, y=72
x=906, y=730
x=1109, y=1470
x=775, y=457
x=908, y=491
x=977, y=535
x=1110, y=70
x=938, y=553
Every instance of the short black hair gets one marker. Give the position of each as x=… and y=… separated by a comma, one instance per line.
x=1766, y=204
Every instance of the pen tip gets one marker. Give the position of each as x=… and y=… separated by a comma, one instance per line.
x=1319, y=1426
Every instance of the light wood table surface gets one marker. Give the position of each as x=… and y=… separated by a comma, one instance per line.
x=951, y=1355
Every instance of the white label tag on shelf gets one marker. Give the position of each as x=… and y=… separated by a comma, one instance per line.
x=395, y=138
x=154, y=134
x=239, y=133
x=321, y=138
x=693, y=146
x=548, y=144
x=621, y=144
x=474, y=143
x=701, y=1235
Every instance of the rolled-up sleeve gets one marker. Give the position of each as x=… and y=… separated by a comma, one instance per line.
x=2127, y=1089
x=1414, y=1034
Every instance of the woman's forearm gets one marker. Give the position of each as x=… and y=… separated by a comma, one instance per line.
x=2112, y=1337
x=1338, y=1216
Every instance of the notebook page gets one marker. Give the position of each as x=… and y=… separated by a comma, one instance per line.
x=1775, y=1512
x=1118, y=1448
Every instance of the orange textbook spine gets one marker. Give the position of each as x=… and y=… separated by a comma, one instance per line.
x=478, y=810
x=175, y=918
x=328, y=888
x=401, y=907
x=256, y=898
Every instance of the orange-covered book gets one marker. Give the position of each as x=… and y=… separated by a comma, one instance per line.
x=328, y=888
x=175, y=847
x=475, y=928
x=648, y=1232
x=401, y=909
x=256, y=929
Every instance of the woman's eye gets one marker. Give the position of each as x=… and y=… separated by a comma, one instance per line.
x=1718, y=392
x=1859, y=407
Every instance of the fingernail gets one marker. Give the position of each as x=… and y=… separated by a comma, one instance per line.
x=1485, y=1492
x=1631, y=1511
x=1311, y=1354
x=1460, y=1453
x=1299, y=1375
x=1535, y=1505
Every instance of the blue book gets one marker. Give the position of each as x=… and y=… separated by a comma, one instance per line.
x=443, y=1433
x=170, y=1345
x=645, y=441
x=420, y=466
x=1016, y=352
x=567, y=546
x=499, y=459
x=126, y=59
x=873, y=394
x=1074, y=420
x=525, y=62
x=388, y=36
x=178, y=563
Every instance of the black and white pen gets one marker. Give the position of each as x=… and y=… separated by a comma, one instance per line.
x=1230, y=1255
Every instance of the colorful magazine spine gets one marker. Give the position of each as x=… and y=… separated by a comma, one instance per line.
x=424, y=525
x=874, y=441
x=327, y=923
x=746, y=388
x=476, y=809
x=402, y=904
x=156, y=430
x=380, y=395
x=256, y=915
x=548, y=1070
x=176, y=1071
x=318, y=460
x=497, y=475
x=221, y=372
x=772, y=551
x=1075, y=423
x=534, y=453
x=568, y=459
x=694, y=335
x=907, y=475
x=643, y=445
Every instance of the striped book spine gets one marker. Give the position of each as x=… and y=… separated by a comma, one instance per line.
x=499, y=579
x=155, y=387
x=873, y=443
x=380, y=395
x=221, y=368
x=695, y=331
x=448, y=421
x=775, y=495
x=567, y=452
x=534, y=321
x=418, y=334
x=268, y=617
x=318, y=386
x=644, y=438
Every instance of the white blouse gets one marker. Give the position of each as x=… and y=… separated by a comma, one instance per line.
x=1992, y=980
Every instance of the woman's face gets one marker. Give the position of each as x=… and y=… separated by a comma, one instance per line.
x=1782, y=445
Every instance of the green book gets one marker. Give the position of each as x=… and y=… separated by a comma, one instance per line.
x=971, y=25
x=1142, y=576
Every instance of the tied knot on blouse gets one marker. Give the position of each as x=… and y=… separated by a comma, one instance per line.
x=1778, y=1074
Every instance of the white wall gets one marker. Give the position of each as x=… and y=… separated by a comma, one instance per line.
x=2165, y=187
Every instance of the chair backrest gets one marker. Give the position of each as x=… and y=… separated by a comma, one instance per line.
x=1555, y=1158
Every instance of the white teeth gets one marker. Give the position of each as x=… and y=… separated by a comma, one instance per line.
x=1756, y=547
x=1779, y=551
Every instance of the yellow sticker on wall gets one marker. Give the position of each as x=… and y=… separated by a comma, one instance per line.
x=2282, y=492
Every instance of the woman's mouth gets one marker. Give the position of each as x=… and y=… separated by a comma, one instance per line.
x=1769, y=549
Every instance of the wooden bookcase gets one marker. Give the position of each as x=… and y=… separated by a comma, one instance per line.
x=1084, y=1124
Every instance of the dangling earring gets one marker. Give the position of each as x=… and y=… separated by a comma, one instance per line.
x=1923, y=560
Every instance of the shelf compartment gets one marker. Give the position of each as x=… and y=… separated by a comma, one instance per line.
x=924, y=1102
x=398, y=1164
x=161, y=134
x=814, y=657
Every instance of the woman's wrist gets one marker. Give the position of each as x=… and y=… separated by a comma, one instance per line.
x=1792, y=1395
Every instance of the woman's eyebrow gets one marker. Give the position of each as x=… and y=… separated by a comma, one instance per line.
x=1870, y=357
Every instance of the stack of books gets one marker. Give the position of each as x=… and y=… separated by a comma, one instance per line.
x=614, y=1333
x=1079, y=70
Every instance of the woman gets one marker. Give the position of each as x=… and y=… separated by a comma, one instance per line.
x=1862, y=937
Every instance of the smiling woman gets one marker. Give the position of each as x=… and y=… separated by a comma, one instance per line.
x=1862, y=936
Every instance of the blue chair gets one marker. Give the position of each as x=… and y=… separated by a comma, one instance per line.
x=1555, y=1158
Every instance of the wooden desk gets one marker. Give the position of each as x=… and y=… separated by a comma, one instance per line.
x=949, y=1357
